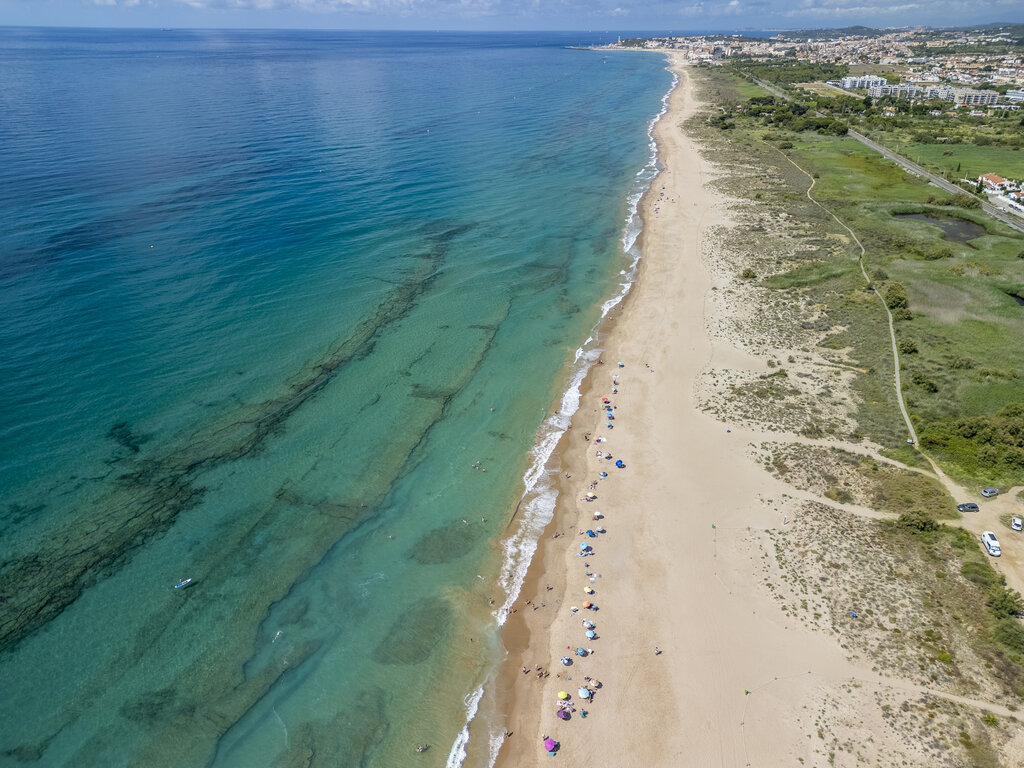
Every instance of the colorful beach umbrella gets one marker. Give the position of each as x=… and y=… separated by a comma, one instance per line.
x=584, y=545
x=587, y=605
x=589, y=590
x=550, y=744
x=562, y=714
x=563, y=695
x=591, y=634
x=584, y=693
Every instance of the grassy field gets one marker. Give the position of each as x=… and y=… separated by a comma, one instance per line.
x=943, y=159
x=958, y=332
x=961, y=326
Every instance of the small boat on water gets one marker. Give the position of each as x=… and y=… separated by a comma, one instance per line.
x=183, y=583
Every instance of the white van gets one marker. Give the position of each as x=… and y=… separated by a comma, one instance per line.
x=991, y=543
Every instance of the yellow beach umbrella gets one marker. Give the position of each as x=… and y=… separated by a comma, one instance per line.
x=589, y=590
x=563, y=695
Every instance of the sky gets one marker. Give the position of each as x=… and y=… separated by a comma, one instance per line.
x=614, y=15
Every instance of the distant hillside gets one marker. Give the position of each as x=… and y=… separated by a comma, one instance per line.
x=829, y=34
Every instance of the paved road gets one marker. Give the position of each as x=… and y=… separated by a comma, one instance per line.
x=911, y=167
x=1007, y=218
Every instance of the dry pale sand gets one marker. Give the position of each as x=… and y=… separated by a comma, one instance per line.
x=681, y=567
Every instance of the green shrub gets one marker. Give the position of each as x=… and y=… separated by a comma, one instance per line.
x=748, y=273
x=980, y=574
x=896, y=296
x=1004, y=603
x=908, y=347
x=924, y=382
x=963, y=200
x=1009, y=633
x=916, y=521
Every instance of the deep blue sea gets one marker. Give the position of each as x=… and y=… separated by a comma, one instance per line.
x=296, y=315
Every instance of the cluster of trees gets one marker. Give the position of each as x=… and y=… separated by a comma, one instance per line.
x=981, y=442
x=792, y=116
x=788, y=72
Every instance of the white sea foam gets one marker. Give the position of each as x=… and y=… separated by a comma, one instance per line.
x=537, y=503
x=494, y=746
x=458, y=754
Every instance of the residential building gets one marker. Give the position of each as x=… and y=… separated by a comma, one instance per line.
x=864, y=81
x=994, y=183
x=899, y=91
x=971, y=97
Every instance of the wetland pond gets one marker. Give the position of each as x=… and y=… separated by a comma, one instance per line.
x=957, y=230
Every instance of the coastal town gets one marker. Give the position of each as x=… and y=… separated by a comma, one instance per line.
x=952, y=86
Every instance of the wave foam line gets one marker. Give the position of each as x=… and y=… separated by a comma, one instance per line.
x=458, y=754
x=539, y=493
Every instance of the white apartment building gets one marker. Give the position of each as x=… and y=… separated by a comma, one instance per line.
x=864, y=81
x=971, y=97
x=899, y=91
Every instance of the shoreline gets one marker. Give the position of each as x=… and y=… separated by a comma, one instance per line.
x=672, y=640
x=527, y=636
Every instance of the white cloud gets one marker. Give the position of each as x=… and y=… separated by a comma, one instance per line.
x=618, y=12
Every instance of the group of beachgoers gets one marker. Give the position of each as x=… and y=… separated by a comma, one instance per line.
x=569, y=703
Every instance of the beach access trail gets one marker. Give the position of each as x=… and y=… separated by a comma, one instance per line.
x=677, y=568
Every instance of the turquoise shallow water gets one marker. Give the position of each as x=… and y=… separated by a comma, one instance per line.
x=268, y=299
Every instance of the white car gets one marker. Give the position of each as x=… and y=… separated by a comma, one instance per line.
x=1016, y=523
x=991, y=543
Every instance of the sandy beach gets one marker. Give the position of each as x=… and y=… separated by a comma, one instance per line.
x=698, y=662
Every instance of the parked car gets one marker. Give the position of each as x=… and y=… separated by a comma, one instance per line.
x=1016, y=523
x=968, y=507
x=988, y=493
x=991, y=543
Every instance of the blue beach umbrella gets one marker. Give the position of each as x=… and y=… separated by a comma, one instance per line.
x=591, y=634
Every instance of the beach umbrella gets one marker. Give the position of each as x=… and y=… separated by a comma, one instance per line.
x=590, y=533
x=581, y=652
x=589, y=590
x=587, y=605
x=566, y=661
x=588, y=624
x=563, y=695
x=550, y=744
x=573, y=609
x=562, y=714
x=590, y=634
x=584, y=693
x=584, y=545
x=591, y=495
